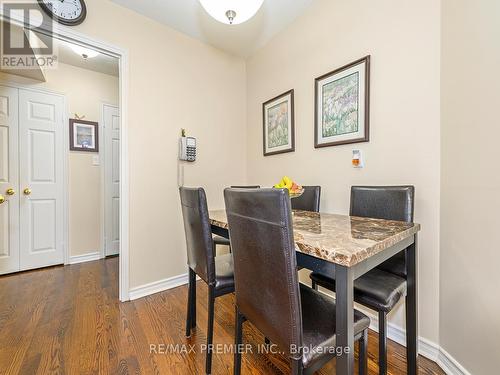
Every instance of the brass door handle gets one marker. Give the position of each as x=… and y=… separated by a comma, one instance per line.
x=27, y=191
x=2, y=199
x=10, y=192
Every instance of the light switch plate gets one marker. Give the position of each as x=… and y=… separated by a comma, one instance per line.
x=95, y=160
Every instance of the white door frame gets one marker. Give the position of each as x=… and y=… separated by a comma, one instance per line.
x=72, y=36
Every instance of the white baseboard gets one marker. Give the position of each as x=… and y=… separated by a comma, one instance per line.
x=84, y=258
x=428, y=349
x=449, y=364
x=158, y=286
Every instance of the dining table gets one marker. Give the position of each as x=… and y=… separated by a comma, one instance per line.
x=344, y=248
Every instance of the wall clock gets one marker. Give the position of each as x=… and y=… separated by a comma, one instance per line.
x=66, y=12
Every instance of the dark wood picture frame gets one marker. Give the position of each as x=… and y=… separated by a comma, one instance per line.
x=366, y=137
x=292, y=123
x=72, y=135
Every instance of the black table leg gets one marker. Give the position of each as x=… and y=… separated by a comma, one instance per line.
x=345, y=319
x=411, y=309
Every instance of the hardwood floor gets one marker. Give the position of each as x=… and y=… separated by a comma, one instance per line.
x=67, y=320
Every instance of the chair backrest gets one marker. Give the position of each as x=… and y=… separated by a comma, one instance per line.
x=385, y=202
x=265, y=266
x=246, y=187
x=198, y=231
x=309, y=200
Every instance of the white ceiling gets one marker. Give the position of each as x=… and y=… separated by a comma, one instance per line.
x=101, y=63
x=189, y=17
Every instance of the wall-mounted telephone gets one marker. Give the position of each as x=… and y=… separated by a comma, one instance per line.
x=187, y=148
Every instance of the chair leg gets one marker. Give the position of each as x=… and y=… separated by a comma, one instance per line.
x=314, y=285
x=210, y=329
x=193, y=306
x=363, y=353
x=297, y=368
x=382, y=343
x=192, y=281
x=238, y=339
x=191, y=312
x=192, y=277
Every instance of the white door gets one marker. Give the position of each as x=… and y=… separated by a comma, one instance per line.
x=111, y=118
x=41, y=179
x=9, y=179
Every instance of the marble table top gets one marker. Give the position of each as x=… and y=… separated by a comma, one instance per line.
x=340, y=239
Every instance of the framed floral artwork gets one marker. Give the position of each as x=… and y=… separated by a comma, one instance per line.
x=342, y=105
x=278, y=124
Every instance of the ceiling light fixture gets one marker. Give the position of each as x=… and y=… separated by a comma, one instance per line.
x=232, y=12
x=86, y=53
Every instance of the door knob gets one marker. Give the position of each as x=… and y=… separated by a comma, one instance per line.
x=2, y=199
x=27, y=191
x=10, y=192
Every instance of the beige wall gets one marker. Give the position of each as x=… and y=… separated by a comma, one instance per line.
x=174, y=81
x=85, y=91
x=470, y=190
x=402, y=38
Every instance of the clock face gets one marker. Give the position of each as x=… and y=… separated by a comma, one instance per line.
x=67, y=12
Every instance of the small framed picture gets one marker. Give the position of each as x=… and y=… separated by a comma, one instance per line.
x=342, y=105
x=83, y=135
x=278, y=124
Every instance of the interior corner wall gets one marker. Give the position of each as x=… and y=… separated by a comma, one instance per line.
x=85, y=91
x=402, y=38
x=470, y=190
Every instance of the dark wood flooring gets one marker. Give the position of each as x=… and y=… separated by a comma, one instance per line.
x=67, y=320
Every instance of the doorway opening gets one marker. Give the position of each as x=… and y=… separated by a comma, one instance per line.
x=63, y=177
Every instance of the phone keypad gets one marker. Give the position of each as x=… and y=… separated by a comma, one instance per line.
x=191, y=153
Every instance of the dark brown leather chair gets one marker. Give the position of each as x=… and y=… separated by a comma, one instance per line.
x=268, y=293
x=219, y=240
x=309, y=200
x=217, y=272
x=381, y=288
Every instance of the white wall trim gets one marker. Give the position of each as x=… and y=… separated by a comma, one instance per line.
x=74, y=259
x=70, y=35
x=449, y=364
x=102, y=159
x=158, y=286
x=428, y=349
